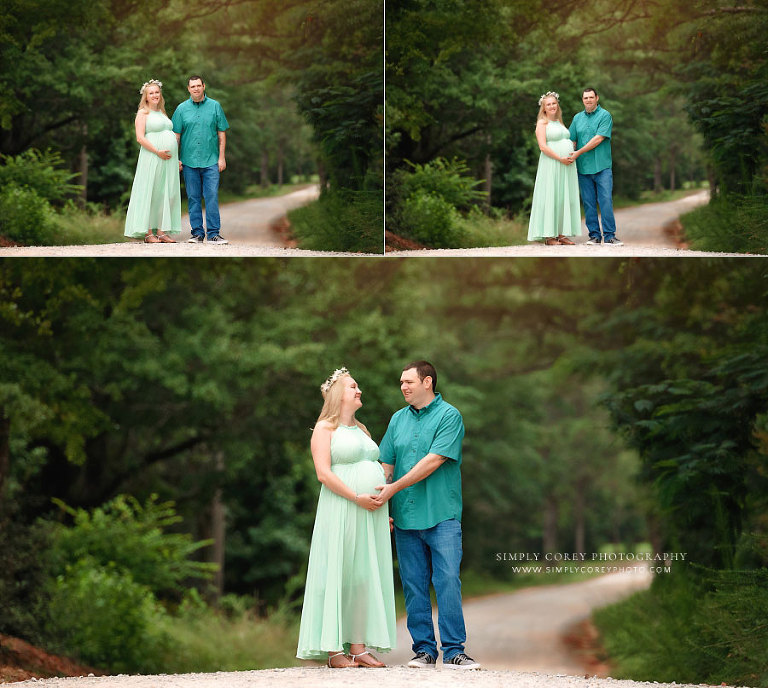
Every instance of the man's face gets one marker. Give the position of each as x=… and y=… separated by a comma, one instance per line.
x=417, y=393
x=196, y=90
x=589, y=98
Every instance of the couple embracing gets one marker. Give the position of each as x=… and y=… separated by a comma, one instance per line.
x=349, y=606
x=555, y=210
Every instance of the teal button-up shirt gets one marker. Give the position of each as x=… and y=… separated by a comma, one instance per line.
x=199, y=124
x=412, y=434
x=584, y=127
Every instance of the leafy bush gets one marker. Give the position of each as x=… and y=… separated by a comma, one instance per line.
x=131, y=537
x=101, y=615
x=341, y=220
x=25, y=217
x=732, y=224
x=431, y=220
x=39, y=172
x=708, y=629
x=427, y=199
x=449, y=180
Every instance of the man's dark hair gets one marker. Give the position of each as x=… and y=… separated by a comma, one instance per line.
x=195, y=77
x=424, y=369
x=588, y=89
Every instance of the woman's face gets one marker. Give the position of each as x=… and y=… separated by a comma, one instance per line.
x=153, y=95
x=550, y=107
x=351, y=396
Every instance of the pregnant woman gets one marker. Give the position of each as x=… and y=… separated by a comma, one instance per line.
x=349, y=601
x=155, y=196
x=555, y=212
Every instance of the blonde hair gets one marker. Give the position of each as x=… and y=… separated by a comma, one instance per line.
x=143, y=105
x=543, y=115
x=331, y=410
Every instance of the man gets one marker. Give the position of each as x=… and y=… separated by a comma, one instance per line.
x=591, y=135
x=200, y=127
x=422, y=451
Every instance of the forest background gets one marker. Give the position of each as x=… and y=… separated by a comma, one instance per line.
x=157, y=490
x=686, y=83
x=301, y=83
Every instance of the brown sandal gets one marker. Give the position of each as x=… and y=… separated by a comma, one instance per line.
x=151, y=239
x=373, y=663
x=351, y=664
x=552, y=241
x=164, y=238
x=564, y=240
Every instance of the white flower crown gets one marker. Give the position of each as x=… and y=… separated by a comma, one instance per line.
x=157, y=83
x=339, y=372
x=547, y=95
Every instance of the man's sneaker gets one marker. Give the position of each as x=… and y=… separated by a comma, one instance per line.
x=217, y=240
x=613, y=241
x=461, y=661
x=593, y=242
x=422, y=660
x=195, y=240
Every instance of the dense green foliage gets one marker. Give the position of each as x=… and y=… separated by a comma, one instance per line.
x=692, y=630
x=607, y=402
x=286, y=73
x=685, y=84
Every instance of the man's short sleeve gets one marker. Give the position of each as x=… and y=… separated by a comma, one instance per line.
x=450, y=432
x=221, y=120
x=387, y=446
x=606, y=125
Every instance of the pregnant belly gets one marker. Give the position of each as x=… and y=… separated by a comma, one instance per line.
x=164, y=140
x=362, y=477
x=562, y=146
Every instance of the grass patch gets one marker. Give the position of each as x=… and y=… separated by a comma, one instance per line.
x=341, y=220
x=75, y=226
x=478, y=230
x=206, y=641
x=729, y=224
x=708, y=628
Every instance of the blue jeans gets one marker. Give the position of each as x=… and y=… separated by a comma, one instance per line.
x=203, y=182
x=433, y=554
x=594, y=189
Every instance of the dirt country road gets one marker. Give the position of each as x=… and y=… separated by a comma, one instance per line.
x=642, y=229
x=247, y=225
x=516, y=637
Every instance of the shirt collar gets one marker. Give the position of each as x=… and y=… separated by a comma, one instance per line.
x=594, y=112
x=426, y=409
x=200, y=103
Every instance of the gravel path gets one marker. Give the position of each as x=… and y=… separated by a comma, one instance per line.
x=320, y=677
x=247, y=225
x=524, y=630
x=641, y=228
x=516, y=637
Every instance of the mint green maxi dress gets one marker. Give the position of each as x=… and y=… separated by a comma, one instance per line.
x=155, y=196
x=349, y=596
x=555, y=209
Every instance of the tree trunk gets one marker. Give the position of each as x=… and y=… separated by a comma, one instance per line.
x=672, y=163
x=218, y=532
x=264, y=169
x=488, y=174
x=657, y=186
x=84, y=168
x=321, y=175
x=5, y=456
x=280, y=164
x=579, y=500
x=551, y=516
